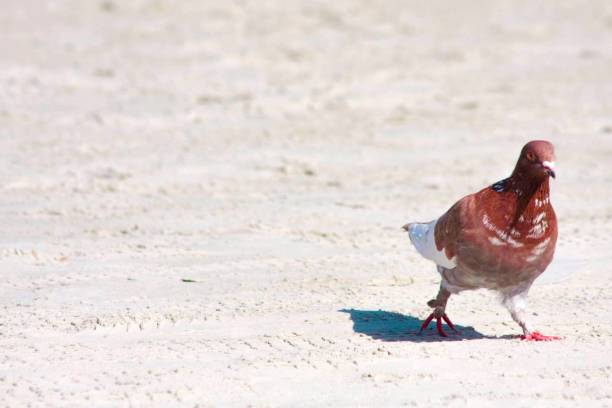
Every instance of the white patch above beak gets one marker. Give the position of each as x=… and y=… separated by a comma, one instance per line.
x=549, y=164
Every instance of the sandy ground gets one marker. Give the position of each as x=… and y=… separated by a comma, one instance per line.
x=202, y=201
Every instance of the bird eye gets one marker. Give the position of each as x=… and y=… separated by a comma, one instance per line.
x=530, y=156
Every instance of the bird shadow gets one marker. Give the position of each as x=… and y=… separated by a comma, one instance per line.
x=392, y=326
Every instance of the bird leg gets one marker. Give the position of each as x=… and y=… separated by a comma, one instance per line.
x=439, y=305
x=517, y=306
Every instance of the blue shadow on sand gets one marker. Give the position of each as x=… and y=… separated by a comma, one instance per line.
x=392, y=326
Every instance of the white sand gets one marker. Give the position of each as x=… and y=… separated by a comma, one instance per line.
x=270, y=152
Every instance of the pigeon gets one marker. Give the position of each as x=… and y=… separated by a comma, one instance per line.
x=500, y=238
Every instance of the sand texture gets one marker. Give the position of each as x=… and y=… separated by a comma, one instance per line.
x=202, y=201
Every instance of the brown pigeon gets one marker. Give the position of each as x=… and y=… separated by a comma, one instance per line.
x=500, y=238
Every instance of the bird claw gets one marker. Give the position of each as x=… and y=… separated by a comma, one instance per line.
x=537, y=336
x=450, y=324
x=438, y=324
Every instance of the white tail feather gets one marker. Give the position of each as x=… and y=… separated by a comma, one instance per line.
x=422, y=236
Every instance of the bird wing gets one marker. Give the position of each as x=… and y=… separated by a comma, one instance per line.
x=450, y=226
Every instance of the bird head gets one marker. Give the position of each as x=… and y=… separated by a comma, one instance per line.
x=537, y=160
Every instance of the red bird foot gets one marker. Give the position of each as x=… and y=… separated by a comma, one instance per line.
x=438, y=324
x=537, y=336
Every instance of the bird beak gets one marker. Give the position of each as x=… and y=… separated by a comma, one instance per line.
x=549, y=167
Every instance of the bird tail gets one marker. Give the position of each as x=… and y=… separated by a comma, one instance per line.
x=418, y=233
